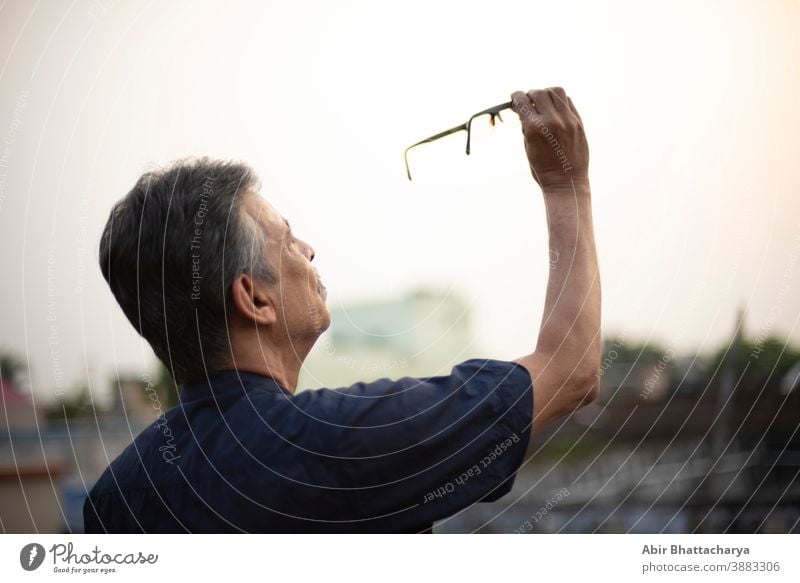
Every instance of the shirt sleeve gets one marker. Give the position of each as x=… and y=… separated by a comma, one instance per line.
x=415, y=450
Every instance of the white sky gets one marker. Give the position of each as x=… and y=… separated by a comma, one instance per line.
x=690, y=109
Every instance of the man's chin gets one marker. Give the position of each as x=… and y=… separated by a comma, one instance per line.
x=327, y=320
x=322, y=319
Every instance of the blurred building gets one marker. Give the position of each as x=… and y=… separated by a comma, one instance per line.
x=423, y=333
x=18, y=409
x=48, y=465
x=28, y=480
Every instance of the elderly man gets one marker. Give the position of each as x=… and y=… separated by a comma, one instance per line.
x=212, y=276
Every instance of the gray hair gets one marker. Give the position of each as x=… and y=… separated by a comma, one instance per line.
x=171, y=249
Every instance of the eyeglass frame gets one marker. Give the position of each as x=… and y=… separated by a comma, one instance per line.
x=492, y=112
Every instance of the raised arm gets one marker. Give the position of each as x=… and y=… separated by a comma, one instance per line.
x=566, y=361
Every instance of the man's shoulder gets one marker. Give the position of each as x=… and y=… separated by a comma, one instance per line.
x=138, y=465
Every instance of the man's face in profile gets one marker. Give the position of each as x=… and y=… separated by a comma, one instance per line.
x=298, y=294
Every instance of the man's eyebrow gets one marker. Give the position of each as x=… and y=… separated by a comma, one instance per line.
x=288, y=226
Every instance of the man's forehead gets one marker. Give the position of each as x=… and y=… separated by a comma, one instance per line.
x=265, y=213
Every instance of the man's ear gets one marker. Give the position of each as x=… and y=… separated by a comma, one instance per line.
x=252, y=302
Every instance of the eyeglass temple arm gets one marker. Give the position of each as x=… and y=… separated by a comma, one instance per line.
x=462, y=128
x=492, y=112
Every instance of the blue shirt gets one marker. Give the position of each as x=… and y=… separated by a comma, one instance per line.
x=242, y=454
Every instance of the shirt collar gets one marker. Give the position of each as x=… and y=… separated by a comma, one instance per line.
x=227, y=381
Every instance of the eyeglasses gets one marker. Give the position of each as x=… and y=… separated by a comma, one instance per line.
x=492, y=112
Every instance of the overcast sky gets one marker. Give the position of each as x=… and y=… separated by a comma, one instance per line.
x=690, y=109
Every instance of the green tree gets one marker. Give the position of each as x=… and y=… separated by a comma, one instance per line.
x=76, y=404
x=761, y=357
x=165, y=386
x=11, y=366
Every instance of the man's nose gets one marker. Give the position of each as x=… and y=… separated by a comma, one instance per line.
x=309, y=251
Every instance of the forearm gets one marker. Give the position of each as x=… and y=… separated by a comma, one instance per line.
x=570, y=329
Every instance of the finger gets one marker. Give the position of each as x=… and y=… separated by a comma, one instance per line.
x=574, y=109
x=522, y=105
x=544, y=105
x=559, y=98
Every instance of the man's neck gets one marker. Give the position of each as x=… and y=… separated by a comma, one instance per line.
x=268, y=359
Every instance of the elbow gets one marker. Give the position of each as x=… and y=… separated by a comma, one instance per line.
x=588, y=373
x=590, y=393
x=587, y=386
x=582, y=370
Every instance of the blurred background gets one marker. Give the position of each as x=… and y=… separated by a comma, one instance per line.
x=691, y=112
